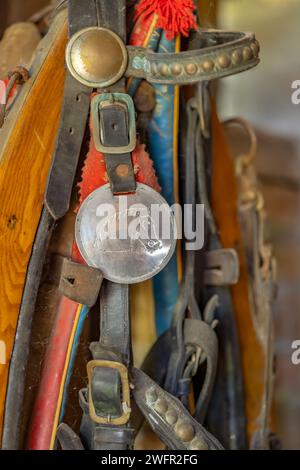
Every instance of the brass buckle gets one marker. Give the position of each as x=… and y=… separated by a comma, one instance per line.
x=105, y=99
x=124, y=418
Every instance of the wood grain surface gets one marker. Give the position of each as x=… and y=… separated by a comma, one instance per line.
x=24, y=166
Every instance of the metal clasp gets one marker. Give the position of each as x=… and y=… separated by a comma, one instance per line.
x=107, y=99
x=125, y=392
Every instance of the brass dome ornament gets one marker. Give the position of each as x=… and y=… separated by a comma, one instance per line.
x=96, y=57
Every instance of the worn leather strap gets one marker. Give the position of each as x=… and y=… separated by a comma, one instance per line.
x=226, y=414
x=168, y=417
x=103, y=437
x=76, y=105
x=16, y=382
x=105, y=387
x=223, y=54
x=115, y=133
x=201, y=334
x=114, y=345
x=73, y=121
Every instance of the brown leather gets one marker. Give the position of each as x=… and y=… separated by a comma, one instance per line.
x=224, y=204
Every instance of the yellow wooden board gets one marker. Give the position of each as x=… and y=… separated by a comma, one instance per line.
x=25, y=159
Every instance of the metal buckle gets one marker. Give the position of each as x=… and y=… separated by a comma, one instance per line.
x=103, y=100
x=124, y=418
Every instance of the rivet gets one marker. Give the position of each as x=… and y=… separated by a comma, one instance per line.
x=198, y=444
x=247, y=53
x=224, y=61
x=176, y=69
x=151, y=395
x=163, y=69
x=255, y=48
x=237, y=57
x=191, y=69
x=161, y=406
x=184, y=431
x=208, y=65
x=122, y=170
x=171, y=417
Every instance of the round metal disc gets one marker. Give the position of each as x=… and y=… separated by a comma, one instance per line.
x=96, y=57
x=130, y=238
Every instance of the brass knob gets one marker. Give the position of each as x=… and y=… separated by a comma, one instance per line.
x=184, y=431
x=96, y=57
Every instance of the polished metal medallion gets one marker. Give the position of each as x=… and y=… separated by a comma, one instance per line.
x=130, y=238
x=96, y=57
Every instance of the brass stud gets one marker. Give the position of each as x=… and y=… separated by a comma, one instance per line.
x=122, y=170
x=151, y=395
x=176, y=69
x=163, y=69
x=255, y=48
x=171, y=417
x=154, y=69
x=208, y=65
x=198, y=444
x=184, y=431
x=247, y=53
x=237, y=57
x=96, y=57
x=161, y=406
x=224, y=61
x=191, y=69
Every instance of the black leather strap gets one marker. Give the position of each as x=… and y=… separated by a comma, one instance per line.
x=73, y=121
x=168, y=417
x=114, y=341
x=114, y=344
x=16, y=381
x=114, y=127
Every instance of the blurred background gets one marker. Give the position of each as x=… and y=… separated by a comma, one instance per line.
x=263, y=97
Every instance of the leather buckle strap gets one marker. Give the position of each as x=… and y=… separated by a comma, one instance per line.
x=114, y=133
x=124, y=393
x=122, y=104
x=222, y=54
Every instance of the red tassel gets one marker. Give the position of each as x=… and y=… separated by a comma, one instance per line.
x=174, y=16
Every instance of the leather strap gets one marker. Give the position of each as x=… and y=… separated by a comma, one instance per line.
x=226, y=414
x=114, y=345
x=201, y=334
x=222, y=54
x=16, y=382
x=106, y=386
x=115, y=322
x=73, y=121
x=168, y=417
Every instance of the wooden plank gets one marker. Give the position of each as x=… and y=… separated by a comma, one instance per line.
x=24, y=165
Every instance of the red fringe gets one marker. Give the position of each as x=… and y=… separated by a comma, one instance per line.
x=174, y=16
